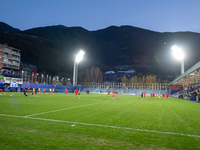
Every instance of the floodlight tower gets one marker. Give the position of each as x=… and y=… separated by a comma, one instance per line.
x=78, y=58
x=178, y=54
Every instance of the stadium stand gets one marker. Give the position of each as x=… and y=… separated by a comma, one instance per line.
x=131, y=91
x=97, y=90
x=148, y=92
x=163, y=91
x=85, y=90
x=117, y=91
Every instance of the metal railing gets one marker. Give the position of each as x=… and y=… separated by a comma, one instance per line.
x=149, y=86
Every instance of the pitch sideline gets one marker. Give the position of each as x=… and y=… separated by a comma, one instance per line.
x=99, y=125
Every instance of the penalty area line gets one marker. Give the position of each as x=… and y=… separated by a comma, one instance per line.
x=100, y=125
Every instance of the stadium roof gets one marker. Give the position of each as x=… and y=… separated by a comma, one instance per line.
x=110, y=72
x=129, y=71
x=191, y=71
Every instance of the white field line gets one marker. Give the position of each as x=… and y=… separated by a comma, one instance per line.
x=99, y=125
x=64, y=109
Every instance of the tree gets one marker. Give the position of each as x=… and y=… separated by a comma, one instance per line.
x=87, y=76
x=154, y=79
x=124, y=79
x=140, y=80
x=92, y=74
x=81, y=75
x=98, y=75
x=143, y=79
x=166, y=81
x=132, y=80
x=136, y=79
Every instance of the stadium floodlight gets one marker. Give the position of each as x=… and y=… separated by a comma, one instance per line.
x=178, y=54
x=78, y=58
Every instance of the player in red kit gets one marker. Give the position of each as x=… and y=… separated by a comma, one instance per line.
x=153, y=95
x=76, y=92
x=144, y=94
x=113, y=94
x=107, y=93
x=66, y=91
x=28, y=90
x=44, y=91
x=167, y=95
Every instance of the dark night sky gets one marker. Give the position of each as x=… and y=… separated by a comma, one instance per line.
x=156, y=15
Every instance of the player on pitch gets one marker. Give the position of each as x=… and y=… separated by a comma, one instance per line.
x=44, y=91
x=28, y=90
x=108, y=93
x=164, y=96
x=113, y=94
x=153, y=95
x=25, y=92
x=33, y=92
x=167, y=95
x=66, y=91
x=76, y=93
x=50, y=91
x=53, y=91
x=79, y=93
x=144, y=94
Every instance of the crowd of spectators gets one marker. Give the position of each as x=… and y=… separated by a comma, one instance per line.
x=10, y=73
x=190, y=92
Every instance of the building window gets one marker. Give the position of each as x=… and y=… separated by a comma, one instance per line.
x=15, y=62
x=15, y=57
x=7, y=50
x=15, y=52
x=6, y=54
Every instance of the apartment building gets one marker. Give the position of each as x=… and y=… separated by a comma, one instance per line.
x=9, y=58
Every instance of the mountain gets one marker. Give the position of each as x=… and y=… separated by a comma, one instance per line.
x=53, y=48
x=5, y=28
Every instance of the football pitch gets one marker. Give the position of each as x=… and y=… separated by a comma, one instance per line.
x=96, y=121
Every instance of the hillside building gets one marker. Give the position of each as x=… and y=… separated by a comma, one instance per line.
x=9, y=60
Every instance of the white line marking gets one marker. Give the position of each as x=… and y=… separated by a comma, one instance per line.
x=64, y=109
x=99, y=125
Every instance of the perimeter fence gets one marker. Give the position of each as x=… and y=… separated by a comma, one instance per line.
x=139, y=86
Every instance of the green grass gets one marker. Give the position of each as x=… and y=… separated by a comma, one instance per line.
x=97, y=121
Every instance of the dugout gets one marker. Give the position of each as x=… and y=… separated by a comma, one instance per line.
x=60, y=88
x=71, y=89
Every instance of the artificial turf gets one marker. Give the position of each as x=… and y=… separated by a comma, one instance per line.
x=96, y=121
